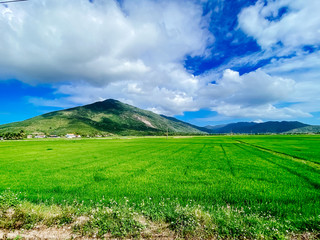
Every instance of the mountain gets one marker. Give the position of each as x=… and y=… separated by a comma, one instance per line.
x=215, y=126
x=240, y=127
x=102, y=118
x=252, y=127
x=112, y=117
x=202, y=129
x=307, y=129
x=277, y=127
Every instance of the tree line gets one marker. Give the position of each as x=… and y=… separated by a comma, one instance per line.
x=12, y=135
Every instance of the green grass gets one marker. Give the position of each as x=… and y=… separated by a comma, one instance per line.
x=242, y=185
x=300, y=146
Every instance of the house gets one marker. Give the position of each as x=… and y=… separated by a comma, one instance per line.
x=40, y=136
x=29, y=136
x=70, y=135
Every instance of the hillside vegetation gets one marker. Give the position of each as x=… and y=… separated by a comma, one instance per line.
x=101, y=118
x=256, y=128
x=306, y=129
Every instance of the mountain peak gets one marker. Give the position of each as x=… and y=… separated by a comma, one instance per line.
x=105, y=105
x=111, y=100
x=105, y=117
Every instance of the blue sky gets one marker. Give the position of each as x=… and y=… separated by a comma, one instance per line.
x=204, y=62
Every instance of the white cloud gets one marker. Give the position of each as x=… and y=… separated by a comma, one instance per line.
x=52, y=41
x=298, y=27
x=255, y=88
x=301, y=72
x=305, y=70
x=158, y=99
x=292, y=76
x=135, y=53
x=267, y=111
x=283, y=38
x=302, y=67
x=91, y=51
x=252, y=95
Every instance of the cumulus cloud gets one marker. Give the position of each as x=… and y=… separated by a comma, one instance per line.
x=52, y=41
x=291, y=23
x=254, y=88
x=283, y=29
x=267, y=111
x=159, y=99
x=304, y=69
x=292, y=81
x=251, y=95
x=135, y=52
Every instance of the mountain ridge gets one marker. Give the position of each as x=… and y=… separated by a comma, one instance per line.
x=112, y=117
x=108, y=117
x=255, y=128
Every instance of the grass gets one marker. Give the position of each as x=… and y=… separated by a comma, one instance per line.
x=300, y=146
x=221, y=186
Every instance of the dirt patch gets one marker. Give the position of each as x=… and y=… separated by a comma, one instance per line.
x=305, y=236
x=41, y=232
x=155, y=230
x=152, y=231
x=145, y=121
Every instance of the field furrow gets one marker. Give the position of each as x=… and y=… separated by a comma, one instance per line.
x=309, y=177
x=228, y=160
x=313, y=164
x=240, y=172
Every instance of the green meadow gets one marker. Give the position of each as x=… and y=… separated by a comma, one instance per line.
x=268, y=185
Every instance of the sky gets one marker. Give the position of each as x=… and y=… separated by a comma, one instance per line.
x=204, y=62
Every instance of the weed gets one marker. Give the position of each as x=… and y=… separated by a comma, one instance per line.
x=8, y=199
x=117, y=220
x=200, y=187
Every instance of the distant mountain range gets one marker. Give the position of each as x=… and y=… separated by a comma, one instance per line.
x=265, y=127
x=102, y=118
x=112, y=117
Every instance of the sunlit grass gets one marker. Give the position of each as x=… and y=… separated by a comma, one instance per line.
x=186, y=175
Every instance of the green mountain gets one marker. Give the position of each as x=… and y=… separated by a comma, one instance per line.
x=307, y=129
x=251, y=127
x=102, y=118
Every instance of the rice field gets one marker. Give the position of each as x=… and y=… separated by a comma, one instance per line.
x=272, y=176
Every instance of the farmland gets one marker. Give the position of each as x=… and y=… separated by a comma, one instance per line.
x=272, y=177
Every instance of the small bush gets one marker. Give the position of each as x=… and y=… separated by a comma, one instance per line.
x=8, y=199
x=191, y=222
x=117, y=220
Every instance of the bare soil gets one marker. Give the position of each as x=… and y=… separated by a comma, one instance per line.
x=153, y=231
